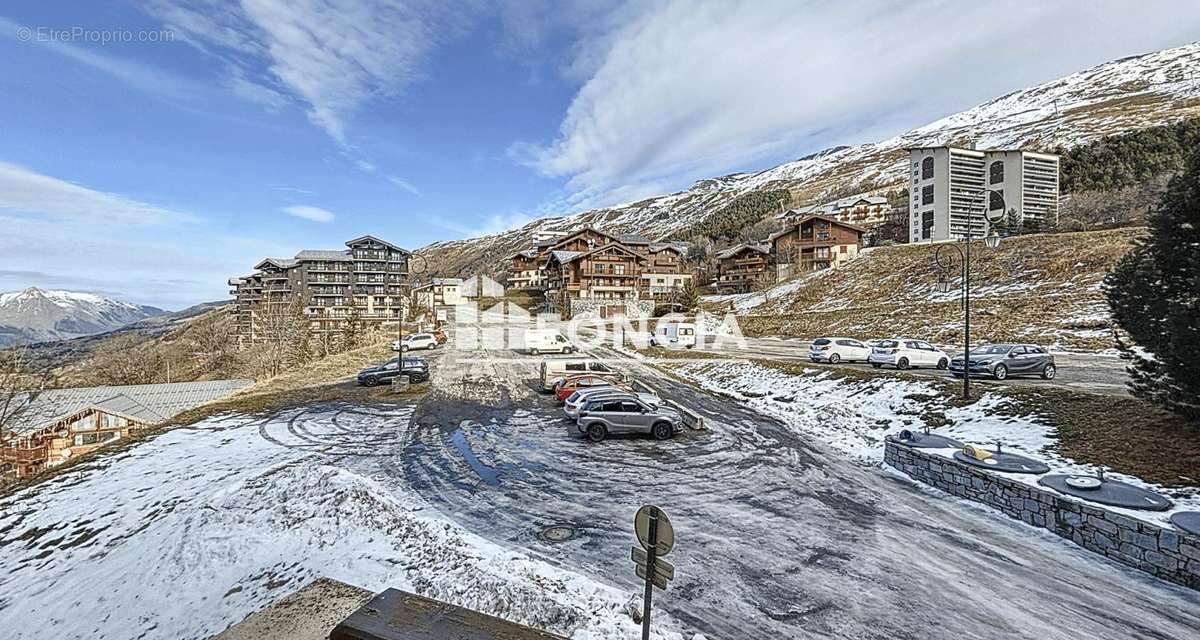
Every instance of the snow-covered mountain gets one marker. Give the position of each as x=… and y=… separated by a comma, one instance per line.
x=38, y=315
x=1123, y=95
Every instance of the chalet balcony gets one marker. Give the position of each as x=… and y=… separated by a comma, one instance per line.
x=24, y=455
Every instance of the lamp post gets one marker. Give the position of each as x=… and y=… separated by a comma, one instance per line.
x=410, y=269
x=945, y=266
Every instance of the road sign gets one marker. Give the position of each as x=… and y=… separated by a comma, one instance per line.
x=661, y=567
x=666, y=533
x=657, y=581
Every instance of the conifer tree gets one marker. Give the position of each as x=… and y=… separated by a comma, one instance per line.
x=1154, y=293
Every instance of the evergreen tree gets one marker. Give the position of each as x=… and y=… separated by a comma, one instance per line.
x=689, y=296
x=1154, y=293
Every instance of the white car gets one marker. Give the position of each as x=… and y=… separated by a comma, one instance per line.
x=835, y=350
x=415, y=342
x=903, y=353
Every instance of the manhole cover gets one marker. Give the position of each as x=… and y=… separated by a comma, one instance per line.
x=558, y=533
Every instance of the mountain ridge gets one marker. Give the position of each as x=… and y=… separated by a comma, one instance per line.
x=1122, y=95
x=43, y=315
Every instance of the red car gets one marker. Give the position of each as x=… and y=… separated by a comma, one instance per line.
x=575, y=383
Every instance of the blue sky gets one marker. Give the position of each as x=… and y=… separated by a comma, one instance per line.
x=153, y=170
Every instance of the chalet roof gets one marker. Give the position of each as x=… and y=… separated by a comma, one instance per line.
x=632, y=238
x=830, y=208
x=681, y=247
x=801, y=221
x=369, y=238
x=281, y=263
x=528, y=253
x=440, y=282
x=149, y=403
x=566, y=256
x=733, y=251
x=326, y=255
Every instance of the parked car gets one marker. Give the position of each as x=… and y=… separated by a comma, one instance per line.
x=547, y=341
x=903, y=353
x=415, y=342
x=555, y=370
x=625, y=414
x=835, y=350
x=416, y=369
x=1000, y=361
x=576, y=400
x=574, y=383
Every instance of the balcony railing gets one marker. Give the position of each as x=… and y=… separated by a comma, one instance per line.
x=23, y=455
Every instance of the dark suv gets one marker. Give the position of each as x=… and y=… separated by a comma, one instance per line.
x=416, y=369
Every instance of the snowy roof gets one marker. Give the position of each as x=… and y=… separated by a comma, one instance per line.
x=632, y=238
x=681, y=247
x=528, y=253
x=729, y=253
x=149, y=403
x=336, y=255
x=282, y=263
x=566, y=256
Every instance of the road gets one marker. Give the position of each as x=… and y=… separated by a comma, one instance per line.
x=778, y=537
x=1092, y=373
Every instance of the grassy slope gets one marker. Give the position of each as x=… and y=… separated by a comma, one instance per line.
x=1041, y=288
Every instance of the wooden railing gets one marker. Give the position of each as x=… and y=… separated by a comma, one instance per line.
x=23, y=455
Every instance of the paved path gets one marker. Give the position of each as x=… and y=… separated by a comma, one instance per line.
x=778, y=536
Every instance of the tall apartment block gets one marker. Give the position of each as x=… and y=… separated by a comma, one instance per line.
x=370, y=272
x=946, y=197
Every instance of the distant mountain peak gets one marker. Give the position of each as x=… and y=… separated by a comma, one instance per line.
x=40, y=315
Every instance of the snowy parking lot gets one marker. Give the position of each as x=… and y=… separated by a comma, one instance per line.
x=779, y=535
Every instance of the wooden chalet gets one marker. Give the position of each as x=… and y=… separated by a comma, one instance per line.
x=816, y=242
x=743, y=268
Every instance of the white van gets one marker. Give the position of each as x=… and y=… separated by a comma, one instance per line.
x=547, y=341
x=556, y=370
x=674, y=335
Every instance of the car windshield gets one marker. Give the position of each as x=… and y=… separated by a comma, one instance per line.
x=992, y=349
x=888, y=344
x=821, y=341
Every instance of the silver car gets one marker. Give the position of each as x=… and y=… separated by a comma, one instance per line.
x=1000, y=361
x=627, y=414
x=576, y=400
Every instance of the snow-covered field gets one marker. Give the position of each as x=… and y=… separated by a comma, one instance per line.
x=854, y=416
x=186, y=534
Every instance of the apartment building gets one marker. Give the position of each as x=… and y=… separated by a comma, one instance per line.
x=814, y=243
x=666, y=273
x=439, y=292
x=524, y=270
x=369, y=276
x=947, y=190
x=743, y=268
x=862, y=211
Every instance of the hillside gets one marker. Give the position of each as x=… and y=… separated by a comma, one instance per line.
x=1123, y=95
x=37, y=315
x=1043, y=288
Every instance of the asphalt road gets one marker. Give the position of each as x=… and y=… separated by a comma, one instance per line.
x=778, y=537
x=1093, y=373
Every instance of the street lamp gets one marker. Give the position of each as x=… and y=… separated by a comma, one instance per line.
x=945, y=270
x=410, y=269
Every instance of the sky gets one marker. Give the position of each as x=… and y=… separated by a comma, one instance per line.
x=151, y=150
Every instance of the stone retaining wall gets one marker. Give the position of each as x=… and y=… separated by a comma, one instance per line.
x=1167, y=553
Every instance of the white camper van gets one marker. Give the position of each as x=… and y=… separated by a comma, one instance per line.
x=555, y=370
x=547, y=341
x=674, y=335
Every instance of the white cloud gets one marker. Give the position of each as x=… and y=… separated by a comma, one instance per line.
x=334, y=56
x=26, y=191
x=677, y=90
x=316, y=214
x=404, y=184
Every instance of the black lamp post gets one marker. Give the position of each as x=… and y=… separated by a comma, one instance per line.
x=945, y=267
x=410, y=269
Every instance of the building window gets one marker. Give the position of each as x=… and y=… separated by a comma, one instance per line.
x=927, y=225
x=927, y=168
x=996, y=172
x=927, y=195
x=995, y=201
x=618, y=269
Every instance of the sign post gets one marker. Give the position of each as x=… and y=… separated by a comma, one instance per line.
x=657, y=537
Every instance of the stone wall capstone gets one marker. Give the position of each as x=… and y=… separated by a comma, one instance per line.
x=1167, y=553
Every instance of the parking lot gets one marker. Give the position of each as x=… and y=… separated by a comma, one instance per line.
x=778, y=536
x=1093, y=373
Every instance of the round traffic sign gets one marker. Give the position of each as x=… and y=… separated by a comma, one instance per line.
x=666, y=533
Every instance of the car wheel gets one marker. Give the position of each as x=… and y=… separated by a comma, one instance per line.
x=902, y=363
x=661, y=431
x=1048, y=372
x=834, y=358
x=1001, y=372
x=596, y=432
x=533, y=352
x=943, y=363
x=875, y=365
x=370, y=382
x=403, y=348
